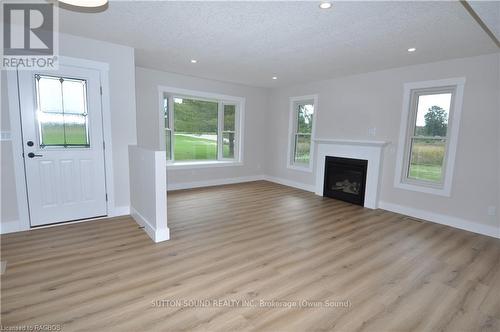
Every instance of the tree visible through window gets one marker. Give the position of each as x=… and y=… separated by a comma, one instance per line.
x=430, y=123
x=229, y=133
x=200, y=130
x=429, y=137
x=195, y=127
x=168, y=130
x=303, y=114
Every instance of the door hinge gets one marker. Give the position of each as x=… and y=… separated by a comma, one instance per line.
x=100, y=89
x=103, y=145
x=106, y=197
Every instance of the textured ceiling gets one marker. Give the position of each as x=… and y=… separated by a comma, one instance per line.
x=489, y=12
x=249, y=42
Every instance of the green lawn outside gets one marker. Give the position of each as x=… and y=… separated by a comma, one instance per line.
x=427, y=160
x=53, y=134
x=186, y=147
x=196, y=148
x=302, y=149
x=426, y=172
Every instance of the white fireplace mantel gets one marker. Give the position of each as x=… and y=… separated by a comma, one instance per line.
x=350, y=142
x=356, y=149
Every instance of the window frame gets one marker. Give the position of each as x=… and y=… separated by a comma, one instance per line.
x=412, y=91
x=292, y=134
x=222, y=100
x=221, y=130
x=37, y=77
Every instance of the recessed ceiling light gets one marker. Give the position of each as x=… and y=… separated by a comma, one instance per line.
x=325, y=5
x=194, y=61
x=412, y=49
x=275, y=77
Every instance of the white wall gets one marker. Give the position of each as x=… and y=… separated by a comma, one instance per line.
x=349, y=106
x=7, y=183
x=123, y=125
x=255, y=124
x=498, y=134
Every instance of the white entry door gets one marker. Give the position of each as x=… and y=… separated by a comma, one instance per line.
x=63, y=144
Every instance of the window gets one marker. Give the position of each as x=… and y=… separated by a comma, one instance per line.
x=429, y=135
x=61, y=111
x=429, y=132
x=201, y=128
x=195, y=127
x=168, y=131
x=302, y=125
x=228, y=131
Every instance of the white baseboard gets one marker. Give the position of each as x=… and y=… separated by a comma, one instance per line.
x=119, y=211
x=290, y=183
x=409, y=211
x=442, y=219
x=215, y=182
x=11, y=226
x=157, y=235
x=162, y=235
x=16, y=226
x=220, y=182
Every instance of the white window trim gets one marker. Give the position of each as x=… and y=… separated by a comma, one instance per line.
x=240, y=117
x=202, y=164
x=291, y=138
x=454, y=126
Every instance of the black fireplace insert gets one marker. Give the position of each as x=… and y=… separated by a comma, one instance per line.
x=345, y=179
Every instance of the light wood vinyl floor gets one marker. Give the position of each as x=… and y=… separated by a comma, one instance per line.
x=255, y=241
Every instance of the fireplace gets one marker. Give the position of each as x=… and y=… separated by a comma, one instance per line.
x=345, y=179
x=372, y=151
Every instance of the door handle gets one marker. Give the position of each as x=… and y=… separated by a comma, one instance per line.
x=32, y=155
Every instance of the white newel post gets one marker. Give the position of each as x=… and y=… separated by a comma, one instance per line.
x=148, y=191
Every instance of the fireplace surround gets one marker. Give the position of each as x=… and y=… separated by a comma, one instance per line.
x=372, y=151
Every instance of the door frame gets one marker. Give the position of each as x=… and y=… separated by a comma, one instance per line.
x=18, y=146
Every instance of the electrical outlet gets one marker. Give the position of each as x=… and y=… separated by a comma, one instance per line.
x=492, y=210
x=372, y=131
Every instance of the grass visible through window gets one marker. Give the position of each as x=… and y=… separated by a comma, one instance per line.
x=427, y=160
x=53, y=134
x=196, y=147
x=429, y=137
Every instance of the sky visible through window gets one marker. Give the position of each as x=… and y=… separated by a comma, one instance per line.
x=425, y=102
x=308, y=111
